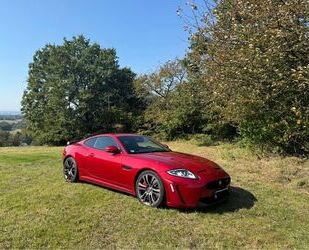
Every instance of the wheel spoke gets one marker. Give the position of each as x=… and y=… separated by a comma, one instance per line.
x=70, y=174
x=153, y=180
x=141, y=186
x=143, y=196
x=69, y=163
x=155, y=183
x=72, y=165
x=151, y=201
x=66, y=164
x=153, y=197
x=146, y=177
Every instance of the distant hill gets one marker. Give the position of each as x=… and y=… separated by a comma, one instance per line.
x=11, y=116
x=11, y=121
x=10, y=113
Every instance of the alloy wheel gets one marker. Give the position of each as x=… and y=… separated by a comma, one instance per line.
x=149, y=189
x=70, y=170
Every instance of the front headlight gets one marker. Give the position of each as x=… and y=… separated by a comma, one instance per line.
x=182, y=173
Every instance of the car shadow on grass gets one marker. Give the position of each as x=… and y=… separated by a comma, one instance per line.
x=239, y=198
x=105, y=188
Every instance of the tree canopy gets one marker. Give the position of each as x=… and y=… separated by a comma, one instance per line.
x=254, y=59
x=75, y=89
x=245, y=76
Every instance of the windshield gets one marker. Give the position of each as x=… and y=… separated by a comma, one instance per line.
x=141, y=144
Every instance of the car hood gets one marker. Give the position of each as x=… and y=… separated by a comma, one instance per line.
x=173, y=160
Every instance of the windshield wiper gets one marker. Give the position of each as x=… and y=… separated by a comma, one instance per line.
x=154, y=151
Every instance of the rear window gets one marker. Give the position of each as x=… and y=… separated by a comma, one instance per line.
x=90, y=142
x=103, y=141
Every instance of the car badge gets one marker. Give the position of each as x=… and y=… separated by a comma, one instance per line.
x=220, y=183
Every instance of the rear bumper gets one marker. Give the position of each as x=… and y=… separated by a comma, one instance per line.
x=195, y=193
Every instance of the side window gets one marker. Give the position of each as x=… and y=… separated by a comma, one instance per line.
x=90, y=142
x=103, y=141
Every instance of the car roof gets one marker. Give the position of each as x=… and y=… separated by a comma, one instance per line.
x=112, y=134
x=125, y=134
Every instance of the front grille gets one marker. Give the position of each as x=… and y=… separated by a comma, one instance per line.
x=220, y=183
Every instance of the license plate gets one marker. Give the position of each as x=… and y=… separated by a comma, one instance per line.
x=220, y=193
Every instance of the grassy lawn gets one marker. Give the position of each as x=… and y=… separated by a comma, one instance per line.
x=268, y=207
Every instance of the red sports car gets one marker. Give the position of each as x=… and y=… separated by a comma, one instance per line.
x=140, y=166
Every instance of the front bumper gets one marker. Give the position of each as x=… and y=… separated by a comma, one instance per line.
x=218, y=197
x=187, y=193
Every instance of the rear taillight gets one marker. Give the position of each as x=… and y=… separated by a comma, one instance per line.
x=64, y=153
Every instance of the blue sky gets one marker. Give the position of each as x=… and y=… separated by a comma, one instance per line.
x=144, y=33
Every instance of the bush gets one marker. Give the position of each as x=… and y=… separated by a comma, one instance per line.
x=254, y=66
x=4, y=137
x=8, y=139
x=5, y=126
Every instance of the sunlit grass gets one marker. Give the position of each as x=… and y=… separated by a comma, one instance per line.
x=268, y=207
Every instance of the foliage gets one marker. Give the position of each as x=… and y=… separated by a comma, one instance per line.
x=5, y=126
x=246, y=74
x=254, y=61
x=172, y=109
x=11, y=125
x=203, y=139
x=4, y=137
x=8, y=139
x=75, y=89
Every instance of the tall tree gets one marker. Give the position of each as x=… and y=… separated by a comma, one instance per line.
x=254, y=60
x=75, y=89
x=173, y=106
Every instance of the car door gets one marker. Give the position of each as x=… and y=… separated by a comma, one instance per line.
x=88, y=164
x=105, y=166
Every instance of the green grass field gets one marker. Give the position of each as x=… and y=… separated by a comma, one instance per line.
x=268, y=207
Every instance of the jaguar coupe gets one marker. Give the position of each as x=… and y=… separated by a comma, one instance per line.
x=147, y=169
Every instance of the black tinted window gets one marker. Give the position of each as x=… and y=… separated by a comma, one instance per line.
x=103, y=141
x=90, y=142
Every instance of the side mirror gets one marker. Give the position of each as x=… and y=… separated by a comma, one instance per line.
x=112, y=149
x=166, y=146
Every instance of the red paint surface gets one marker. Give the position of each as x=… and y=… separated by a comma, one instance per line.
x=119, y=171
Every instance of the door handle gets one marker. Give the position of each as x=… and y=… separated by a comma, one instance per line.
x=127, y=168
x=91, y=155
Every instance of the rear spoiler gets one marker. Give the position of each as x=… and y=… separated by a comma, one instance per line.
x=72, y=142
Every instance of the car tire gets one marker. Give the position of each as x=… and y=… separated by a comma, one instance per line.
x=70, y=170
x=149, y=189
